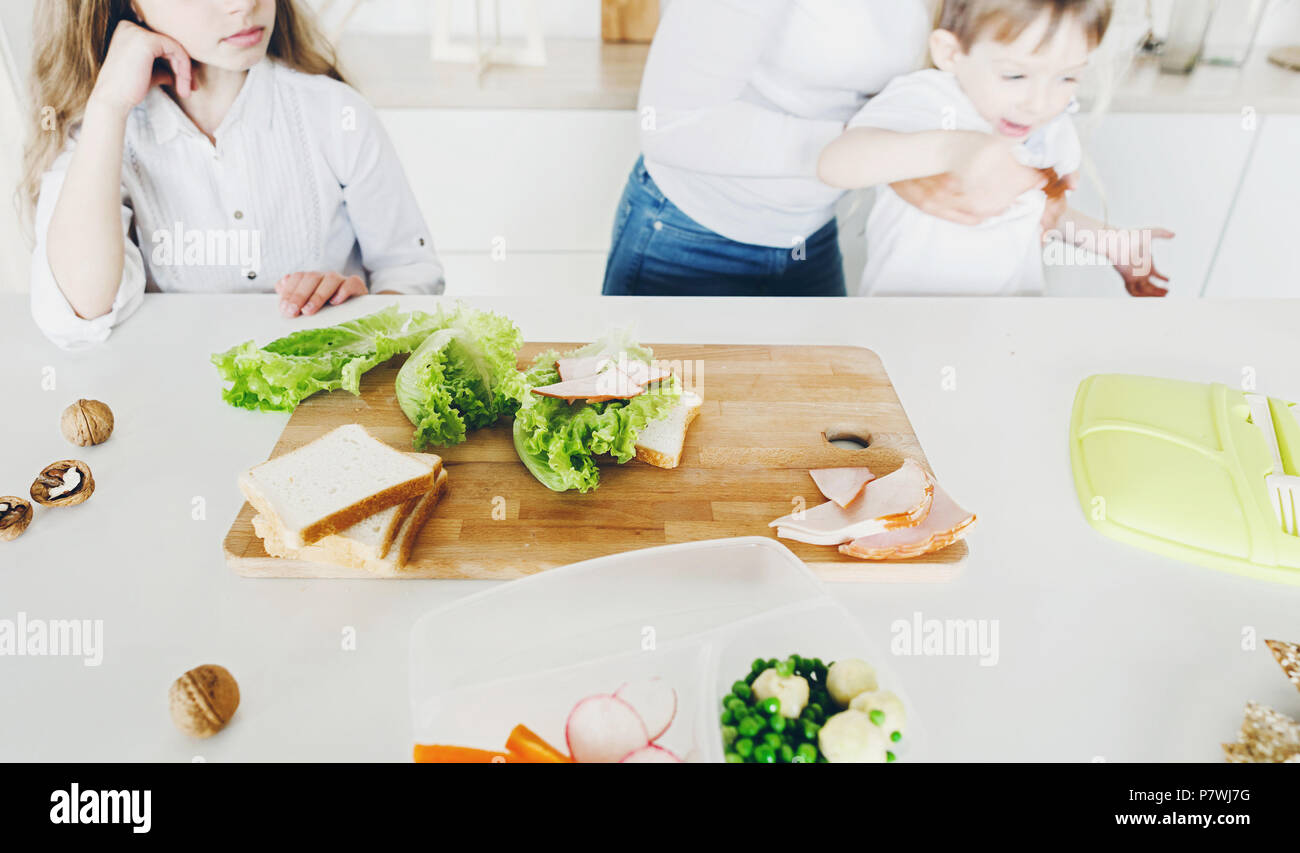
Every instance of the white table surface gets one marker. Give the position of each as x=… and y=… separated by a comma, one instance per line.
x=1105, y=651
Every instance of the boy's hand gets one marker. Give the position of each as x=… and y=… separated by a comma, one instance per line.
x=1058, y=205
x=307, y=292
x=1139, y=272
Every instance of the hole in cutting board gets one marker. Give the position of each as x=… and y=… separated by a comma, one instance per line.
x=848, y=438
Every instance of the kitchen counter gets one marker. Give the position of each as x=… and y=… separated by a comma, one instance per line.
x=1104, y=653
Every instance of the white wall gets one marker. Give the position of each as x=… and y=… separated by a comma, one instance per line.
x=560, y=18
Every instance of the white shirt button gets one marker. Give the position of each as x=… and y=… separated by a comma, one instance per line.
x=659, y=226
x=239, y=214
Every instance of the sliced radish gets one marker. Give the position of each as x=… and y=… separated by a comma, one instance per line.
x=655, y=700
x=603, y=729
x=651, y=755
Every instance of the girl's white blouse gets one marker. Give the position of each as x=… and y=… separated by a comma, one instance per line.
x=302, y=177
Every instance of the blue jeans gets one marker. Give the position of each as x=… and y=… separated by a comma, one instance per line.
x=659, y=251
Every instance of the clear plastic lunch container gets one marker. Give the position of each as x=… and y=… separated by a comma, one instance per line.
x=695, y=614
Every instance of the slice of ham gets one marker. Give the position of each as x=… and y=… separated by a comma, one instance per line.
x=946, y=523
x=581, y=366
x=841, y=485
x=639, y=373
x=900, y=499
x=643, y=373
x=609, y=385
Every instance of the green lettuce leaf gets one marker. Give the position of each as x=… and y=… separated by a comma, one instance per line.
x=557, y=440
x=462, y=377
x=280, y=375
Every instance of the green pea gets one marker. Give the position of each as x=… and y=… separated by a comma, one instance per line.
x=785, y=669
x=889, y=756
x=727, y=717
x=758, y=666
x=771, y=663
x=742, y=690
x=806, y=754
x=764, y=754
x=729, y=734
x=877, y=716
x=773, y=740
x=737, y=706
x=813, y=712
x=771, y=705
x=744, y=747
x=896, y=737
x=734, y=758
x=748, y=727
x=810, y=730
x=777, y=723
x=786, y=754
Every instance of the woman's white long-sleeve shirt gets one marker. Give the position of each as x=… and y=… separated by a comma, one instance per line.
x=740, y=97
x=302, y=177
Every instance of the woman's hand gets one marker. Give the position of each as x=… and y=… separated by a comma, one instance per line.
x=139, y=59
x=307, y=292
x=983, y=181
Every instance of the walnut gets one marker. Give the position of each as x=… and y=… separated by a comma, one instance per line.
x=15, y=515
x=65, y=483
x=203, y=700
x=87, y=422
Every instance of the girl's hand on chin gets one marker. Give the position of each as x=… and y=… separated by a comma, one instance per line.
x=139, y=59
x=305, y=293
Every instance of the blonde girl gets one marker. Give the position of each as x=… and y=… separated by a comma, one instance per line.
x=206, y=146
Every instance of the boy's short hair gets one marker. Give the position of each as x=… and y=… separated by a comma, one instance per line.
x=1005, y=20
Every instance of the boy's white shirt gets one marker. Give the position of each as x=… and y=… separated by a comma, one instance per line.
x=911, y=253
x=300, y=159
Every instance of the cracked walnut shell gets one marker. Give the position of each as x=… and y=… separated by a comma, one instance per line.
x=203, y=700
x=15, y=515
x=65, y=483
x=87, y=422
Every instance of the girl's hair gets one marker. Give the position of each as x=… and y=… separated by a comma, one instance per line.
x=1005, y=20
x=72, y=38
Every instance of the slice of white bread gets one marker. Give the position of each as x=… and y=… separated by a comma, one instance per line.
x=660, y=442
x=335, y=481
x=341, y=549
x=410, y=532
x=370, y=539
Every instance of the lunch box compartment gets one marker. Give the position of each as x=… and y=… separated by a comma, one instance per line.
x=695, y=614
x=482, y=715
x=820, y=629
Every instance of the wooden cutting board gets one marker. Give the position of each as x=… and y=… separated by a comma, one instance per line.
x=768, y=415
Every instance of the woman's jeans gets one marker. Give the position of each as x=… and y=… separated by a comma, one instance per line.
x=659, y=251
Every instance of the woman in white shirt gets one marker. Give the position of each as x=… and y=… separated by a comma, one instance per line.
x=214, y=148
x=738, y=100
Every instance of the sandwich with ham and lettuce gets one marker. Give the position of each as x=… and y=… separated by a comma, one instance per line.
x=610, y=397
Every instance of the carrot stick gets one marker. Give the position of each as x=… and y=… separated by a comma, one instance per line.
x=438, y=754
x=525, y=746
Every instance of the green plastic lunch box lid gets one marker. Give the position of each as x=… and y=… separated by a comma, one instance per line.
x=1179, y=468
